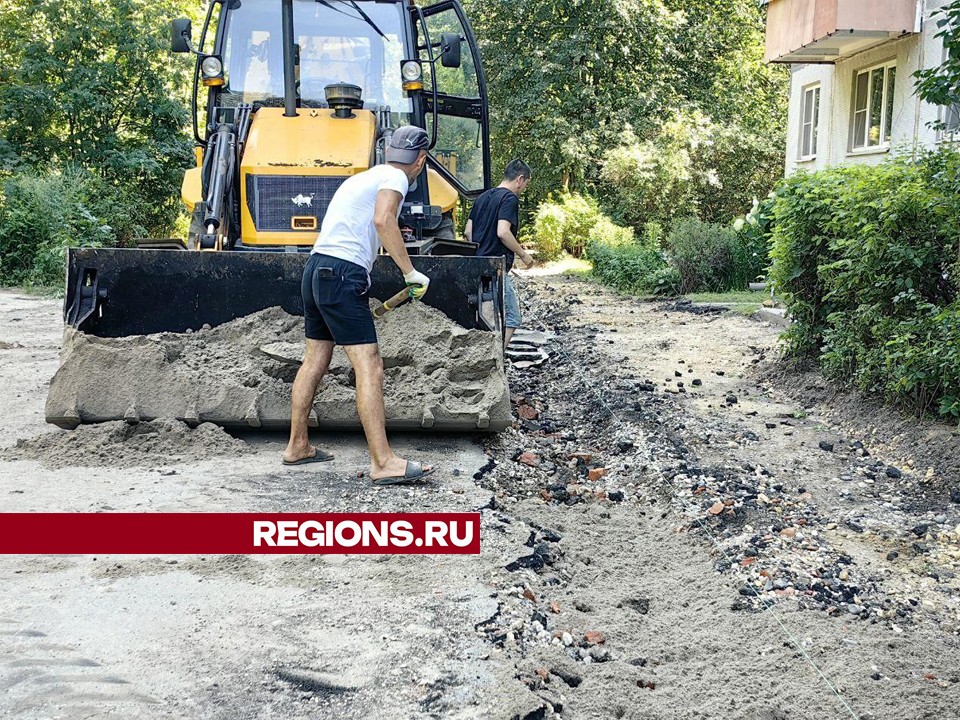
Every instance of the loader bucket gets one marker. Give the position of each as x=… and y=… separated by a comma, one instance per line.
x=214, y=336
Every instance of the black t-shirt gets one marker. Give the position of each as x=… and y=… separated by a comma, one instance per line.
x=494, y=205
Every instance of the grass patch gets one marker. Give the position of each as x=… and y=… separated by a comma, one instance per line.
x=738, y=297
x=44, y=291
x=744, y=309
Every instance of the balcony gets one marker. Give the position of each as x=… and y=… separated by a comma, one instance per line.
x=825, y=31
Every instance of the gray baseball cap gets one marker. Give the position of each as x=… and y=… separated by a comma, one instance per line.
x=406, y=144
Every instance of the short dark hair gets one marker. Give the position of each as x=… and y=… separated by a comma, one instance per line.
x=517, y=168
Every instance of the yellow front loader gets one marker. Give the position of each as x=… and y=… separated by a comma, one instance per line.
x=290, y=98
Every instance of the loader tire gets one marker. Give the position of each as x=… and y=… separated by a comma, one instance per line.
x=445, y=230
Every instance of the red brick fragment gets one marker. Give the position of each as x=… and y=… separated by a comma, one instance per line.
x=594, y=637
x=527, y=412
x=529, y=458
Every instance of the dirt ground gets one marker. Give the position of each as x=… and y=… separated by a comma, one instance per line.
x=677, y=526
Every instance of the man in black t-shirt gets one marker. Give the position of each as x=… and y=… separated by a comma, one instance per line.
x=493, y=225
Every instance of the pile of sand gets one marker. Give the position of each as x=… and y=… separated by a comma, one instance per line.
x=120, y=444
x=437, y=374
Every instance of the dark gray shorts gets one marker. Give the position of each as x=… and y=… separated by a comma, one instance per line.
x=335, y=302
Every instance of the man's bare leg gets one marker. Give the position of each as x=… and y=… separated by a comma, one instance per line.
x=316, y=360
x=506, y=337
x=368, y=368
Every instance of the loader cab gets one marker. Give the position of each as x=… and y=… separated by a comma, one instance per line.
x=412, y=65
x=335, y=45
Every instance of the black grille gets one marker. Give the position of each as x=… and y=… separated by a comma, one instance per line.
x=273, y=199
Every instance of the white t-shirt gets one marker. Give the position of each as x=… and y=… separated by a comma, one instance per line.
x=348, y=231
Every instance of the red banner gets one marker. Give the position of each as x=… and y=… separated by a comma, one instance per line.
x=239, y=533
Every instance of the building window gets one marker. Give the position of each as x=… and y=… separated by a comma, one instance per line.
x=809, y=119
x=951, y=122
x=949, y=115
x=873, y=92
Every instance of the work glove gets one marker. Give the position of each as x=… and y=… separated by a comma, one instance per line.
x=417, y=283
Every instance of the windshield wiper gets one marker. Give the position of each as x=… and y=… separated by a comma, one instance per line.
x=363, y=16
x=369, y=22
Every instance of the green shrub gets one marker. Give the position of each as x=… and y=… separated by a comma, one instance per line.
x=42, y=215
x=581, y=215
x=755, y=233
x=608, y=233
x=632, y=267
x=548, y=231
x=565, y=225
x=624, y=261
x=708, y=257
x=867, y=260
x=688, y=165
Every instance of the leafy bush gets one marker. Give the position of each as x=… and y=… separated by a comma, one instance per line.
x=565, y=225
x=607, y=232
x=582, y=214
x=624, y=261
x=867, y=260
x=755, y=232
x=42, y=215
x=709, y=257
x=632, y=267
x=548, y=231
x=690, y=165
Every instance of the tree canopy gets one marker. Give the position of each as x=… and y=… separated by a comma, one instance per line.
x=570, y=80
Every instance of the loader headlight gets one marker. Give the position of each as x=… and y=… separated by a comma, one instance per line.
x=211, y=67
x=412, y=73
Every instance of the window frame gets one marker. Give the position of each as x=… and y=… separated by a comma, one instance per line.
x=947, y=134
x=813, y=124
x=886, y=109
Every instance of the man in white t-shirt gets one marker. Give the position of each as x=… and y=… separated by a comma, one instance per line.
x=362, y=214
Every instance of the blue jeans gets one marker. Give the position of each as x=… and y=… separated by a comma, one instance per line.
x=511, y=308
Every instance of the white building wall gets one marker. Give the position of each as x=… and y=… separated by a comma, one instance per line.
x=911, y=118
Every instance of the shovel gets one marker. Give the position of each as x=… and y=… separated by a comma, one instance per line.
x=396, y=301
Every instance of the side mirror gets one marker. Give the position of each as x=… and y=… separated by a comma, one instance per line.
x=450, y=49
x=180, y=33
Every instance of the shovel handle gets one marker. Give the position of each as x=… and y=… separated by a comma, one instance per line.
x=388, y=305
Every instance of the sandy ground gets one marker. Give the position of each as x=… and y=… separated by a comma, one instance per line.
x=655, y=625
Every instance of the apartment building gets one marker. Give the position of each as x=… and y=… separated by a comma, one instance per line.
x=852, y=65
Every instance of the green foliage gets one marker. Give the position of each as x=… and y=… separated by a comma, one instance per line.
x=708, y=257
x=636, y=267
x=867, y=260
x=627, y=262
x=689, y=165
x=940, y=85
x=565, y=225
x=569, y=78
x=755, y=232
x=652, y=180
x=40, y=216
x=90, y=84
x=548, y=231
